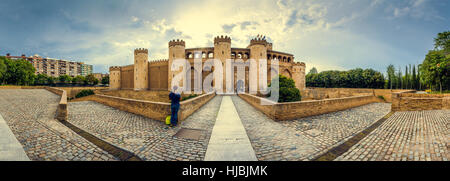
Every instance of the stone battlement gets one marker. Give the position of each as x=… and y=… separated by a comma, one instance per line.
x=259, y=41
x=222, y=39
x=158, y=61
x=299, y=63
x=177, y=42
x=140, y=50
x=113, y=68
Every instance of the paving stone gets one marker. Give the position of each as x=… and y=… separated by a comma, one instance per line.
x=412, y=136
x=268, y=136
x=149, y=139
x=30, y=115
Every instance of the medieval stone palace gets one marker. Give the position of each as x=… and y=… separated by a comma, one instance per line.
x=157, y=74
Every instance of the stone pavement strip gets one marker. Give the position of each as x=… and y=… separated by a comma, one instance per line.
x=229, y=140
x=10, y=148
x=30, y=113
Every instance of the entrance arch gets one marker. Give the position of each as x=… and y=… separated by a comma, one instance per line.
x=286, y=73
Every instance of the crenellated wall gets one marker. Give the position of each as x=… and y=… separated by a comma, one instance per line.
x=127, y=77
x=158, y=73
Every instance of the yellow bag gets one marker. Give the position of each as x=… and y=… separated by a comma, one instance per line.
x=168, y=120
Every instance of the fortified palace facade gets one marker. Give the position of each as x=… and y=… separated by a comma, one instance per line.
x=157, y=74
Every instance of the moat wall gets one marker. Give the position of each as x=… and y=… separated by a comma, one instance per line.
x=62, y=111
x=156, y=96
x=295, y=110
x=150, y=109
x=418, y=102
x=312, y=93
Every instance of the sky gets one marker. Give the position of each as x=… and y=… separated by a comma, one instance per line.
x=326, y=34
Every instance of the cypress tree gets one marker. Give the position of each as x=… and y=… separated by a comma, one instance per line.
x=414, y=78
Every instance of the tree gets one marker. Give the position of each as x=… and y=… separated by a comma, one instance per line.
x=313, y=71
x=419, y=78
x=64, y=79
x=51, y=80
x=414, y=78
x=105, y=80
x=435, y=69
x=442, y=42
x=18, y=72
x=355, y=78
x=41, y=79
x=406, y=77
x=96, y=81
x=79, y=79
x=400, y=79
x=90, y=79
x=2, y=69
x=391, y=74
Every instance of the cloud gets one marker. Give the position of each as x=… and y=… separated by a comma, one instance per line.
x=228, y=28
x=325, y=33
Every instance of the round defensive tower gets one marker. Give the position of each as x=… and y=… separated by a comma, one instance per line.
x=222, y=52
x=114, y=78
x=177, y=49
x=258, y=52
x=140, y=69
x=298, y=74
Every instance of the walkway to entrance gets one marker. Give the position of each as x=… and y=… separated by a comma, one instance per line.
x=229, y=140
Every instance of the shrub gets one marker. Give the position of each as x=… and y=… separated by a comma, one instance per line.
x=189, y=97
x=289, y=95
x=84, y=93
x=287, y=92
x=382, y=97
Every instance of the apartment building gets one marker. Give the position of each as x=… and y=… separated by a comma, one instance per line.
x=55, y=67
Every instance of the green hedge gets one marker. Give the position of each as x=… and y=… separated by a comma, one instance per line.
x=84, y=93
x=189, y=97
x=288, y=92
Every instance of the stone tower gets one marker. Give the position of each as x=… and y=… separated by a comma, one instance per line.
x=222, y=52
x=140, y=69
x=176, y=51
x=298, y=74
x=258, y=51
x=114, y=78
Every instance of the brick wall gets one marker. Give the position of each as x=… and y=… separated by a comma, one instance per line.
x=417, y=102
x=294, y=110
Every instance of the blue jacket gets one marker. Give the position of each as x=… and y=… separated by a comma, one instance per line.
x=175, y=98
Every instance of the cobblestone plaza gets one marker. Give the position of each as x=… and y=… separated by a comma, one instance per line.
x=405, y=136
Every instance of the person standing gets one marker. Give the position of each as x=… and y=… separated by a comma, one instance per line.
x=175, y=98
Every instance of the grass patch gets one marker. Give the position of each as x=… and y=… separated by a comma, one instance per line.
x=382, y=97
